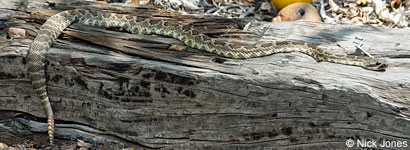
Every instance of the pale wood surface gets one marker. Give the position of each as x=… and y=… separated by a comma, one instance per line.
x=113, y=87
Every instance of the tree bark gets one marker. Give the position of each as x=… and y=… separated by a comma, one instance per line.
x=111, y=87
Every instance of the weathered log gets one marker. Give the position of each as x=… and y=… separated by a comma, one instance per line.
x=110, y=87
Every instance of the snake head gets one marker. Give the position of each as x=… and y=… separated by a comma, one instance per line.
x=376, y=65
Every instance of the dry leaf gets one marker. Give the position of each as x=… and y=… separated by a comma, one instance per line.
x=177, y=47
x=83, y=145
x=361, y=2
x=16, y=32
x=3, y=145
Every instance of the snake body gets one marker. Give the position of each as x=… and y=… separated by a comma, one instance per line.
x=53, y=27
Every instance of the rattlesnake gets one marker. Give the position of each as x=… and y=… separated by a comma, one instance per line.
x=53, y=27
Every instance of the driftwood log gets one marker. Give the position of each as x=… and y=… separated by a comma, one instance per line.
x=113, y=88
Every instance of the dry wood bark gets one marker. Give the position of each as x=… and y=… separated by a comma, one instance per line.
x=113, y=88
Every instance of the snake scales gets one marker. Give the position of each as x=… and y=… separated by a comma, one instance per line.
x=53, y=27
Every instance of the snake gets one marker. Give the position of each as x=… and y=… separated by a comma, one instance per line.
x=53, y=27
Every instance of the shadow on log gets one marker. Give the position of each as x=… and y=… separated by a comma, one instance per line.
x=113, y=88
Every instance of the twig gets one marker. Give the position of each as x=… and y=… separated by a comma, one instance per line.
x=323, y=12
x=246, y=13
x=359, y=49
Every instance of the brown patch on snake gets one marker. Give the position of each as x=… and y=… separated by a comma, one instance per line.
x=55, y=24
